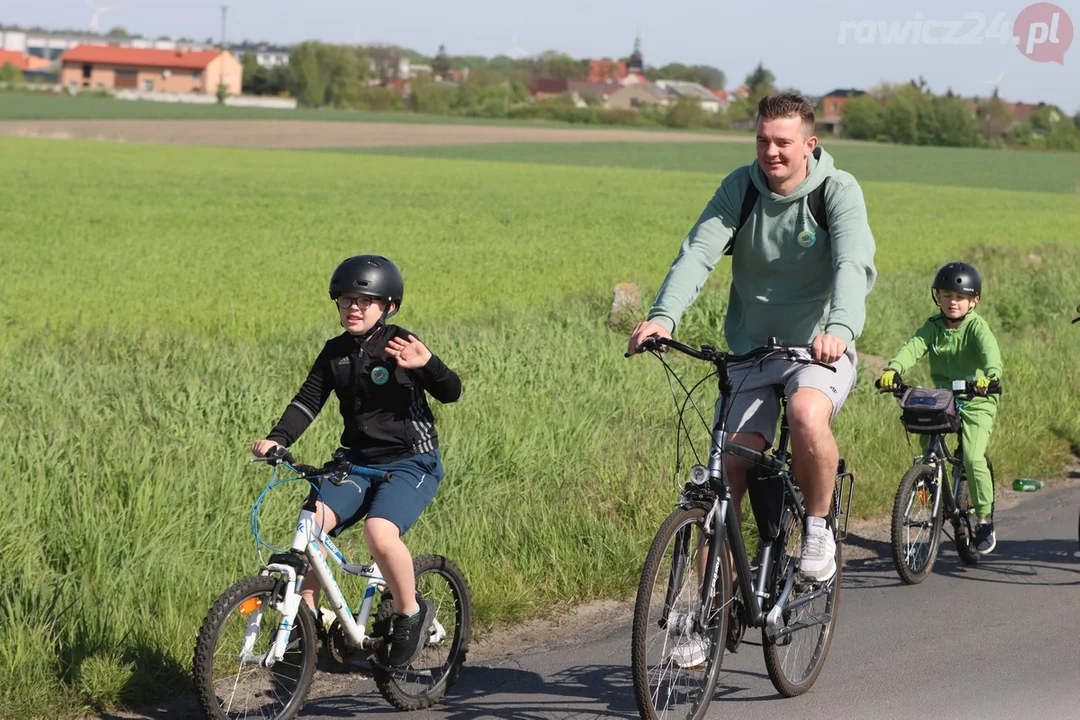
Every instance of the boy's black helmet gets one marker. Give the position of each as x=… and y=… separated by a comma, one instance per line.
x=368, y=275
x=958, y=277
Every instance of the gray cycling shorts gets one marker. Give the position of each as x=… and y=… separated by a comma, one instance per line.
x=754, y=406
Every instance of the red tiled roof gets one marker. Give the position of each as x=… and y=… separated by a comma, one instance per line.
x=107, y=55
x=550, y=85
x=23, y=62
x=601, y=71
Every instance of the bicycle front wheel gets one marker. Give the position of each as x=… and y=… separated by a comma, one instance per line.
x=916, y=528
x=427, y=679
x=675, y=661
x=795, y=655
x=230, y=678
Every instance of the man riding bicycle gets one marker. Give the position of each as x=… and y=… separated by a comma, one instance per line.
x=802, y=266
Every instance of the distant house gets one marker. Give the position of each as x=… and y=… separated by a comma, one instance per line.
x=692, y=90
x=636, y=95
x=606, y=71
x=545, y=88
x=176, y=71
x=268, y=56
x=22, y=61
x=832, y=109
x=724, y=97
x=1021, y=110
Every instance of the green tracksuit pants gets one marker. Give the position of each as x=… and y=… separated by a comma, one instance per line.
x=977, y=423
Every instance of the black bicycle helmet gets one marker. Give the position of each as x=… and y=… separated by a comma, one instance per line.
x=369, y=275
x=958, y=277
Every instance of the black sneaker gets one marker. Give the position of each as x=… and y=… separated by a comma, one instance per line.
x=409, y=633
x=985, y=539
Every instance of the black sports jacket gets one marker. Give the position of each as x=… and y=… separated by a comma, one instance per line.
x=383, y=406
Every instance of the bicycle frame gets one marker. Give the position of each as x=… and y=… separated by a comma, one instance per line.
x=723, y=518
x=938, y=449
x=292, y=566
x=305, y=544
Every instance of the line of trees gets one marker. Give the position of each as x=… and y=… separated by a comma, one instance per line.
x=910, y=114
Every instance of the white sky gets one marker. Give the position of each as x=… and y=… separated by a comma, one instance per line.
x=799, y=41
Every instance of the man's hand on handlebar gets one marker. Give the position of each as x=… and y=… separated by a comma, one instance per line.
x=641, y=332
x=828, y=348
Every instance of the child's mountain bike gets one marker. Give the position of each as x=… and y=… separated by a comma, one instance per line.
x=692, y=603
x=929, y=494
x=256, y=651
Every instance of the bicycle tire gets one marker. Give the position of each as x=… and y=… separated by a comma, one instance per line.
x=391, y=681
x=210, y=634
x=909, y=491
x=774, y=663
x=679, y=520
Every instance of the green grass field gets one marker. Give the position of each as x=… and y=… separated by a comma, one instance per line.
x=43, y=106
x=161, y=305
x=1006, y=170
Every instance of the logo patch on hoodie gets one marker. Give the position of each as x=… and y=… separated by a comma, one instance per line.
x=379, y=375
x=806, y=239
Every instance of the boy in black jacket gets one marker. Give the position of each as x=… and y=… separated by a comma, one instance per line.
x=380, y=374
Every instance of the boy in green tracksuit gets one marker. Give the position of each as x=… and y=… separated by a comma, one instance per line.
x=961, y=347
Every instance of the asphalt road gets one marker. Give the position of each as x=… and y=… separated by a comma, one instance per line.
x=994, y=641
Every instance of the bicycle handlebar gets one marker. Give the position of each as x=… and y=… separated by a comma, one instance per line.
x=336, y=470
x=718, y=357
x=967, y=392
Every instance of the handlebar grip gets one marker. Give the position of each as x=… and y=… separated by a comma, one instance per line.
x=370, y=473
x=279, y=453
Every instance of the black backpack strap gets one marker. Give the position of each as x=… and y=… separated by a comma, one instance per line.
x=749, y=200
x=816, y=200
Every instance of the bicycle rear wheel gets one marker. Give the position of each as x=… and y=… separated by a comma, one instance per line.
x=795, y=654
x=435, y=671
x=916, y=528
x=236, y=635
x=675, y=662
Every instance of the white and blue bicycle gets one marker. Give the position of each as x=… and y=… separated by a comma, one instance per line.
x=256, y=651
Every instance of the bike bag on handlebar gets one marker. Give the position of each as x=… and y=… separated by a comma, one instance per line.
x=927, y=411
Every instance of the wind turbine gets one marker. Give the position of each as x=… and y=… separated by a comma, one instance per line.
x=96, y=12
x=996, y=82
x=516, y=51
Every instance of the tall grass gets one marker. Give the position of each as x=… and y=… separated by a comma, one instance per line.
x=160, y=310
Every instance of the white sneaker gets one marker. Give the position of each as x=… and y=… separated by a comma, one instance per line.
x=818, y=560
x=691, y=652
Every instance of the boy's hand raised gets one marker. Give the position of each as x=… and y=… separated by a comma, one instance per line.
x=410, y=354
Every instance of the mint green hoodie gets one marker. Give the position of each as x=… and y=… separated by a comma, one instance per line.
x=779, y=287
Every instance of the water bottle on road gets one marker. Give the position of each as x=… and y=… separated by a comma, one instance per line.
x=1027, y=485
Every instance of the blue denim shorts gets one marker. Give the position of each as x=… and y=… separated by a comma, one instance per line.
x=399, y=500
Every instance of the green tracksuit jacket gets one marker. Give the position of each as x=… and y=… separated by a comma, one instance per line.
x=967, y=352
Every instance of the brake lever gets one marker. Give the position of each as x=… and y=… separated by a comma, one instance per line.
x=793, y=354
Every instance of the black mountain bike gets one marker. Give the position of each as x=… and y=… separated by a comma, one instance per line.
x=929, y=493
x=689, y=606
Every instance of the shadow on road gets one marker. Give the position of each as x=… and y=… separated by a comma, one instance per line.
x=602, y=691
x=1049, y=562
